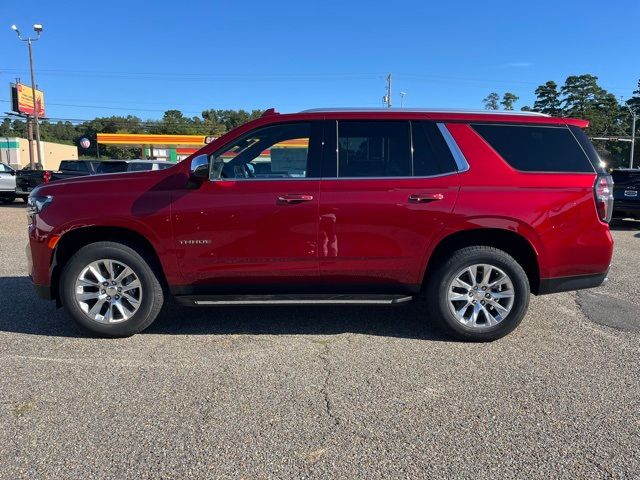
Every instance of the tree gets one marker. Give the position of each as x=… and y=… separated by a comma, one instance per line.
x=230, y=119
x=634, y=101
x=548, y=99
x=508, y=99
x=491, y=101
x=580, y=92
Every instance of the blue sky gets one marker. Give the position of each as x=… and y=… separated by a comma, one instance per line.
x=144, y=57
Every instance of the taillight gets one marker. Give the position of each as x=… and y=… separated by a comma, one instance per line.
x=46, y=177
x=603, y=191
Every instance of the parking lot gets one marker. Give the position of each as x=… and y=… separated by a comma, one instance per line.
x=321, y=392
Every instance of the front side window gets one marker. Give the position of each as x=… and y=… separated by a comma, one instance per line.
x=274, y=152
x=374, y=149
x=4, y=168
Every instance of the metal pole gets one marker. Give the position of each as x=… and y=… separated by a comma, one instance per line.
x=389, y=91
x=35, y=106
x=633, y=139
x=30, y=141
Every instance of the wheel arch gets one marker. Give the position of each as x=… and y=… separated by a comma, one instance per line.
x=513, y=243
x=77, y=238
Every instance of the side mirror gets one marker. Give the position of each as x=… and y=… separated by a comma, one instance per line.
x=200, y=168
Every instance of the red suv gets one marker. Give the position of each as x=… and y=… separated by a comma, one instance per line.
x=471, y=212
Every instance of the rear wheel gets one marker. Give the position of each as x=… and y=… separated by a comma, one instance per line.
x=110, y=289
x=479, y=294
x=7, y=199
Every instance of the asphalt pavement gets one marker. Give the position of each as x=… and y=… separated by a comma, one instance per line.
x=308, y=392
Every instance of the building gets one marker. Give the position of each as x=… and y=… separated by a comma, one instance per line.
x=14, y=151
x=173, y=148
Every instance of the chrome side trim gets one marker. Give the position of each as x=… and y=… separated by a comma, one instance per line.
x=458, y=156
x=306, y=302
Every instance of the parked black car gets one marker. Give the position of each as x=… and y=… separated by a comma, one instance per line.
x=626, y=193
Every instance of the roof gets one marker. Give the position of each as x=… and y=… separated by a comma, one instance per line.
x=424, y=110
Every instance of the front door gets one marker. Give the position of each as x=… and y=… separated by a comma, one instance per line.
x=394, y=190
x=253, y=227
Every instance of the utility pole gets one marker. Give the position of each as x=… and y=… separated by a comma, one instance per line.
x=633, y=136
x=38, y=29
x=402, y=94
x=30, y=141
x=387, y=98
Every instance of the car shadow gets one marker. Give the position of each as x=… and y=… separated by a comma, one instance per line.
x=14, y=204
x=21, y=311
x=625, y=225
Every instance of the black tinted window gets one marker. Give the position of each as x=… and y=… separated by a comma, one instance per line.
x=536, y=148
x=374, y=149
x=73, y=166
x=112, y=167
x=139, y=166
x=588, y=148
x=431, y=155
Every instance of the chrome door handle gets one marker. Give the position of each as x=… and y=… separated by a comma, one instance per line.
x=293, y=198
x=425, y=197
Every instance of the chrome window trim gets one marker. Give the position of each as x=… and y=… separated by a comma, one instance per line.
x=311, y=179
x=458, y=156
x=454, y=172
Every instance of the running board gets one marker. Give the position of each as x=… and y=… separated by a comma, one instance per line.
x=210, y=300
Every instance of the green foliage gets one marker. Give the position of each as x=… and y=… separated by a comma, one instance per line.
x=491, y=101
x=508, y=99
x=548, y=99
x=212, y=122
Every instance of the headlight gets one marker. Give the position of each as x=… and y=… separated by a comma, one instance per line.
x=36, y=204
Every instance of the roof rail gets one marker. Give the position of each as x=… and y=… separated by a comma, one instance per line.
x=425, y=110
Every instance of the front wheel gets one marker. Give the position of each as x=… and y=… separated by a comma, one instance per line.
x=110, y=289
x=479, y=294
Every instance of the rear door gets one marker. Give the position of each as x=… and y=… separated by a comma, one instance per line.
x=388, y=188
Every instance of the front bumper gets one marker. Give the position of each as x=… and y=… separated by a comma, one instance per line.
x=567, y=284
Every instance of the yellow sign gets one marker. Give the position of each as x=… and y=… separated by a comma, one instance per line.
x=22, y=99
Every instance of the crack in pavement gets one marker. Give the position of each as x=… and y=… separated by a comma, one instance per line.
x=328, y=406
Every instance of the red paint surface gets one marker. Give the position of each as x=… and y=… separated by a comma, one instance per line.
x=360, y=231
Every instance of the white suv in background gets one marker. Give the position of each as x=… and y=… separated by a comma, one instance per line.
x=7, y=183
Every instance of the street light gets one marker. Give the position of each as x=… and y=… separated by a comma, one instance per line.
x=37, y=27
x=402, y=94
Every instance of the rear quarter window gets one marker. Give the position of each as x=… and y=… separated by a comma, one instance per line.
x=536, y=148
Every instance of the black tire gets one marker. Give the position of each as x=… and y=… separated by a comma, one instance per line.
x=7, y=200
x=437, y=289
x=152, y=297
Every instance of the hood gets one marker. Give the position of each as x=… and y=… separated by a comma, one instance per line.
x=106, y=182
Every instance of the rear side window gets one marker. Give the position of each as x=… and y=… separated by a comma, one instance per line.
x=431, y=155
x=588, y=148
x=536, y=148
x=374, y=149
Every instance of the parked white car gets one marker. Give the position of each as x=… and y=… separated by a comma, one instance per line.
x=7, y=183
